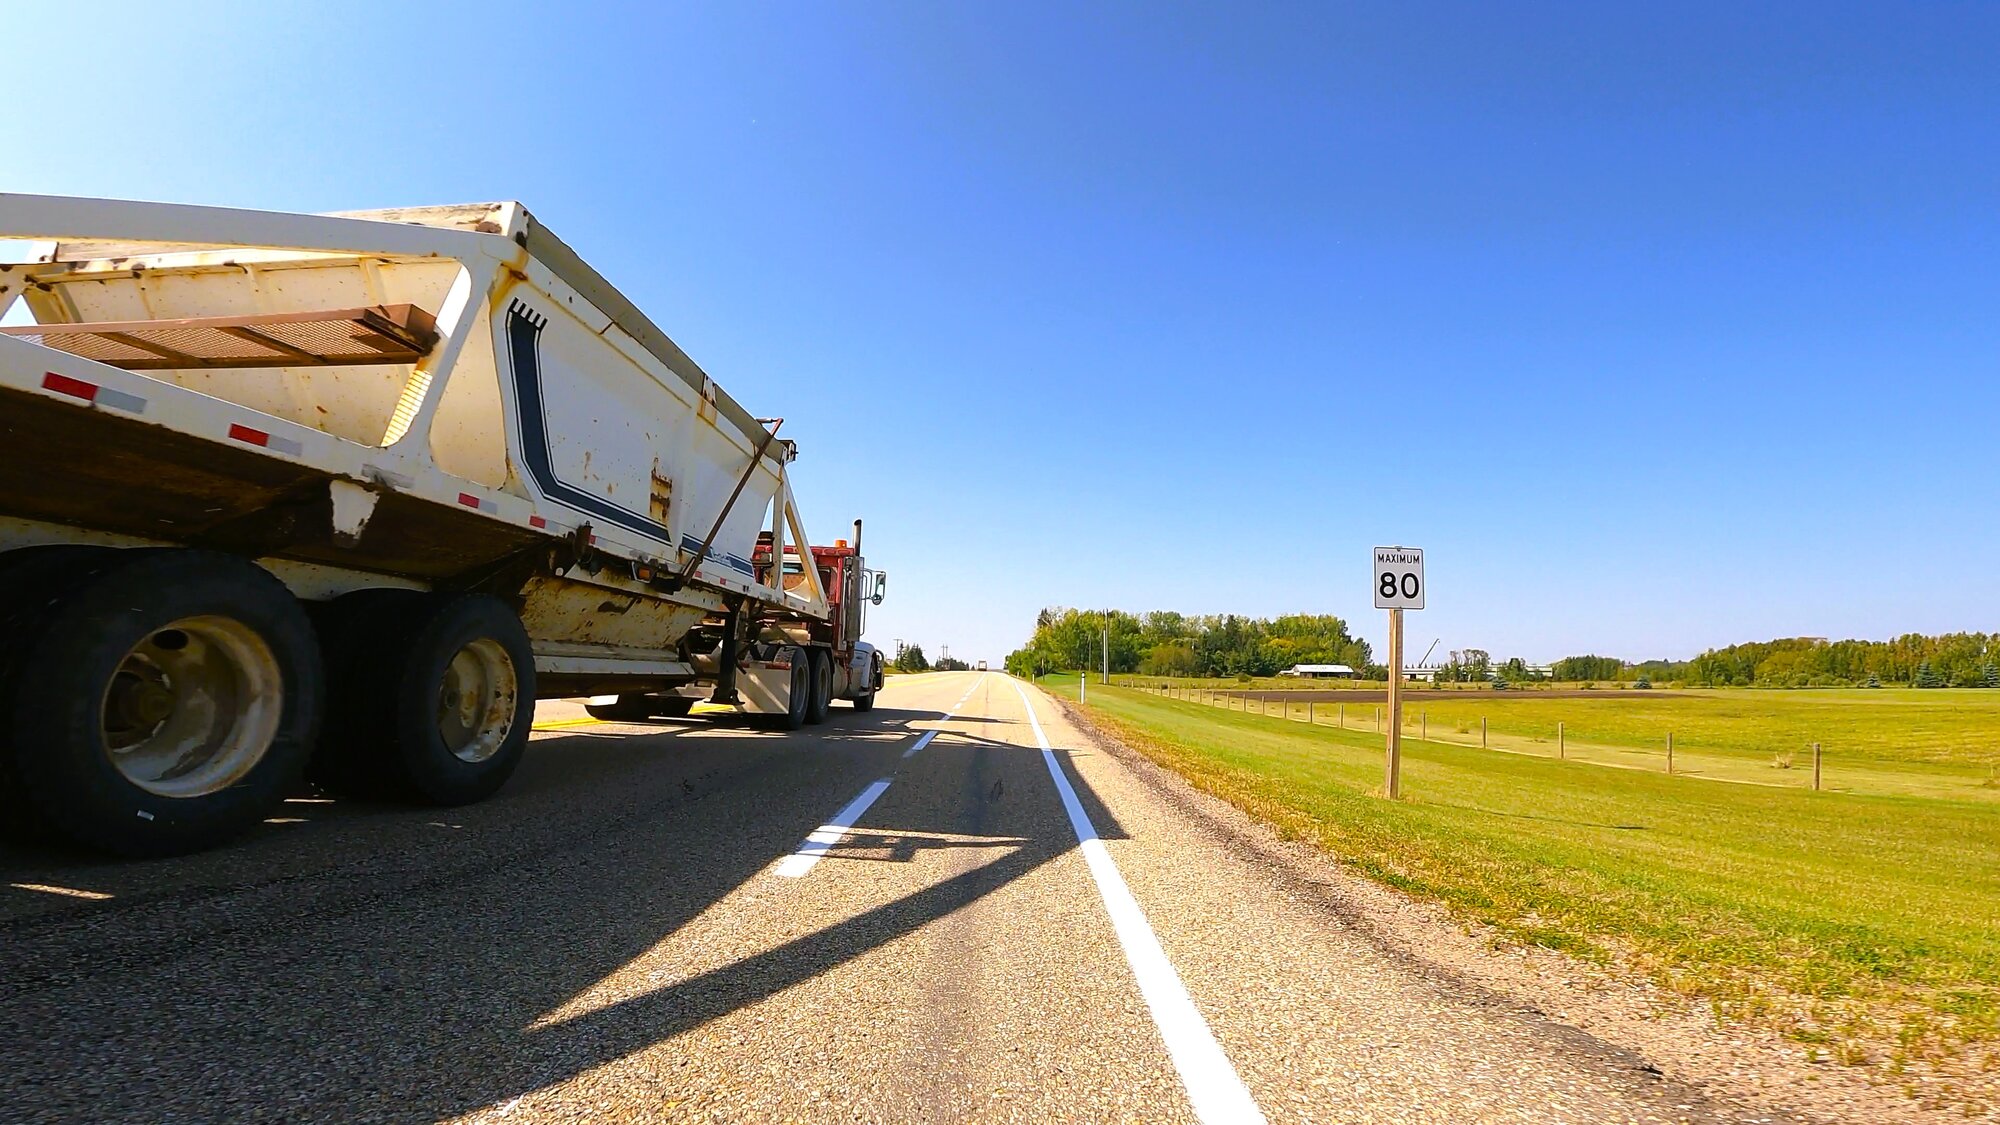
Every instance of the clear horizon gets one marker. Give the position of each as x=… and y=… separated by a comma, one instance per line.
x=1658, y=330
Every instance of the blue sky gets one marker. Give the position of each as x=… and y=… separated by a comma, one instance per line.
x=1659, y=328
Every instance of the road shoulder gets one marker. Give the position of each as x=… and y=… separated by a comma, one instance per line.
x=1606, y=1014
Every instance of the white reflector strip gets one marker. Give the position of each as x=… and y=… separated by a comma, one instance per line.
x=262, y=440
x=92, y=393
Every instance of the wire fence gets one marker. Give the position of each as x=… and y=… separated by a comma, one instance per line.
x=1371, y=717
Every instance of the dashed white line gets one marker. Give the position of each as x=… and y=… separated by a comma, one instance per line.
x=921, y=743
x=829, y=834
x=1211, y=1081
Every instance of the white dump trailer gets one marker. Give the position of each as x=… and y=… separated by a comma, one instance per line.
x=339, y=497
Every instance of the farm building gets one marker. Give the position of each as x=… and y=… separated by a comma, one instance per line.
x=1320, y=672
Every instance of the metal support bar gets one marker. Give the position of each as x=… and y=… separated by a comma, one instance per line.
x=725, y=673
x=756, y=459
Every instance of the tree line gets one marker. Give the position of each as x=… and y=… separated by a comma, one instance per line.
x=1165, y=643
x=911, y=658
x=1948, y=660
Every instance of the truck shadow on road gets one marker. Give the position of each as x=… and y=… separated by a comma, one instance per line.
x=378, y=963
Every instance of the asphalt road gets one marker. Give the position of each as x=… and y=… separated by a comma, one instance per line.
x=630, y=932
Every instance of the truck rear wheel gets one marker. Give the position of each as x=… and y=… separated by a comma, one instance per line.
x=163, y=703
x=794, y=715
x=432, y=696
x=822, y=685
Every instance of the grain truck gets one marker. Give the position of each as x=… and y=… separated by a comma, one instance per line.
x=333, y=499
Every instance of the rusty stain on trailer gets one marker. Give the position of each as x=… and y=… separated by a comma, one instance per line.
x=663, y=494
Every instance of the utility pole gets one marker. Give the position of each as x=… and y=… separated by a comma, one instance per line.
x=1104, y=676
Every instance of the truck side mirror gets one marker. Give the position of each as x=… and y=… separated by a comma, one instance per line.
x=881, y=587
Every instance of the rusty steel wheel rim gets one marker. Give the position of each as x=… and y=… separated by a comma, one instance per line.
x=476, y=700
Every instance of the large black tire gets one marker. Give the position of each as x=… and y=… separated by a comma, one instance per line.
x=673, y=706
x=822, y=685
x=33, y=580
x=801, y=693
x=392, y=732
x=866, y=700
x=82, y=736
x=355, y=632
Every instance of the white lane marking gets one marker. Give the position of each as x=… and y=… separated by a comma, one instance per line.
x=829, y=834
x=1211, y=1082
x=921, y=743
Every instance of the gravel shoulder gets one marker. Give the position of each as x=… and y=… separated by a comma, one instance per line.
x=1606, y=1013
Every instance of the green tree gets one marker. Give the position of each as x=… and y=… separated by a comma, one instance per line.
x=1584, y=668
x=912, y=659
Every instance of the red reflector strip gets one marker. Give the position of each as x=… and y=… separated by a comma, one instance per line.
x=248, y=436
x=471, y=501
x=537, y=521
x=92, y=393
x=75, y=388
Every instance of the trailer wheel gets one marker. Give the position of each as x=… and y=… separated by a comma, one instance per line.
x=822, y=685
x=32, y=581
x=865, y=702
x=432, y=699
x=801, y=693
x=164, y=703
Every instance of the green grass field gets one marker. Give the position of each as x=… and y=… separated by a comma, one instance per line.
x=1887, y=742
x=1867, y=925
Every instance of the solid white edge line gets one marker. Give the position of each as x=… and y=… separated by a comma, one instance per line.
x=1211, y=1081
x=829, y=834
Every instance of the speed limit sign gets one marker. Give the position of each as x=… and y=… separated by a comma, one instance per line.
x=1399, y=578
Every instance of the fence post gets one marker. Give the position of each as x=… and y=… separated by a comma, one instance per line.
x=1343, y=716
x=1562, y=750
x=1309, y=712
x=1424, y=717
x=1670, y=751
x=1482, y=732
x=1815, y=767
